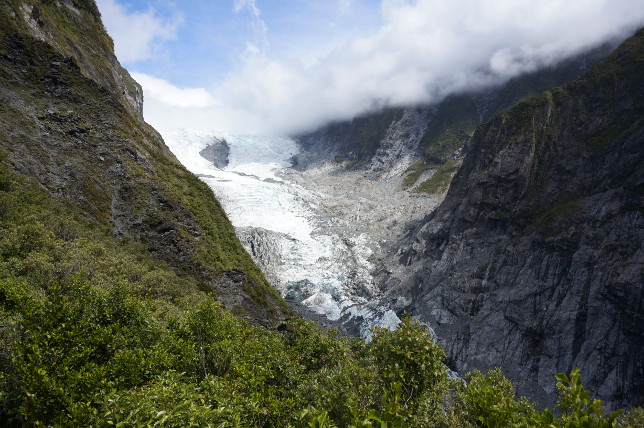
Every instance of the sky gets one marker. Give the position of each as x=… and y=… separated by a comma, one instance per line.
x=289, y=66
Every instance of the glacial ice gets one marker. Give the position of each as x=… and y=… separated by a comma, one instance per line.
x=319, y=266
x=317, y=234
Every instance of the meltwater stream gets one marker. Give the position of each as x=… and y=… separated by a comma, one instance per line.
x=303, y=249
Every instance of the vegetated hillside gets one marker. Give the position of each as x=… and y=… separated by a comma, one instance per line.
x=94, y=331
x=70, y=120
x=431, y=135
x=534, y=260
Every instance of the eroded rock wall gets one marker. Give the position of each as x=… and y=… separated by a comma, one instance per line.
x=534, y=261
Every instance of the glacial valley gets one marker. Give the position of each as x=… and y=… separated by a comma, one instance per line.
x=319, y=234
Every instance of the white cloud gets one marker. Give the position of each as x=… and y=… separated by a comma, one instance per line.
x=174, y=96
x=168, y=107
x=258, y=26
x=424, y=50
x=137, y=35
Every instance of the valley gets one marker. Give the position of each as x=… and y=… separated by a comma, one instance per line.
x=319, y=234
x=478, y=254
x=515, y=268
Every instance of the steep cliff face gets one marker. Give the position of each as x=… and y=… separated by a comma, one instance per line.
x=73, y=29
x=534, y=260
x=70, y=119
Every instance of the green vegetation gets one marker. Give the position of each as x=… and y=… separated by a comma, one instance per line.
x=95, y=332
x=455, y=120
x=414, y=172
x=438, y=182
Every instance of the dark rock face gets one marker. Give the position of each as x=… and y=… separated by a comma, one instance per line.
x=534, y=261
x=355, y=141
x=70, y=119
x=217, y=153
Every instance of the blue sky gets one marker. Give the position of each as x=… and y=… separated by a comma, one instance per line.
x=207, y=40
x=283, y=66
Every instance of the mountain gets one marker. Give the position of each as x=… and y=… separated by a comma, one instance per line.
x=419, y=140
x=533, y=262
x=112, y=254
x=71, y=123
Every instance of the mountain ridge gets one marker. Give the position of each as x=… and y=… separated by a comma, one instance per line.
x=431, y=134
x=548, y=198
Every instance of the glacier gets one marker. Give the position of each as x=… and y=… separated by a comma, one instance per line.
x=318, y=234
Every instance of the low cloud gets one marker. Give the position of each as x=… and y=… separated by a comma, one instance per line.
x=169, y=107
x=173, y=96
x=423, y=51
x=137, y=35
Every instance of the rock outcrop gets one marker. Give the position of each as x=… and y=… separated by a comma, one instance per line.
x=70, y=119
x=534, y=261
x=217, y=153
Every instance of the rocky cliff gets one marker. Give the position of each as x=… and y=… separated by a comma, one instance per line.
x=534, y=260
x=70, y=119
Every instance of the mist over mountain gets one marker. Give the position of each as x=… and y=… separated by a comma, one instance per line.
x=341, y=62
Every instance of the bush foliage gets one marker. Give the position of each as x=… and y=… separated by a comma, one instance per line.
x=95, y=332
